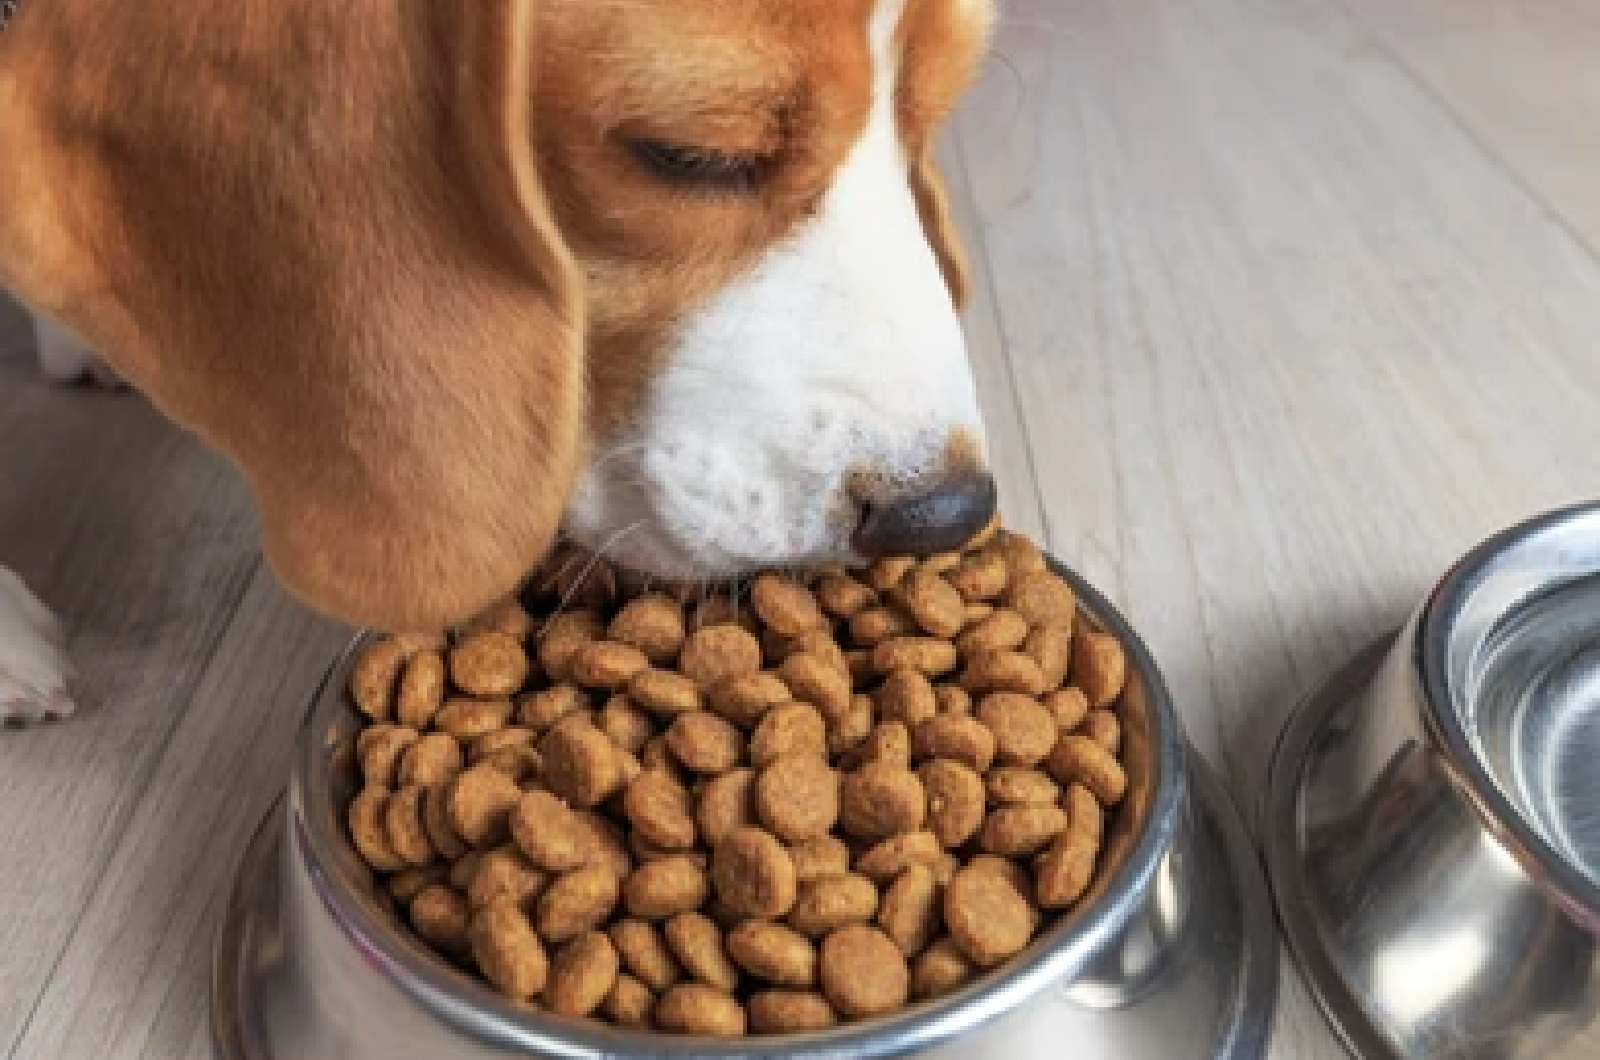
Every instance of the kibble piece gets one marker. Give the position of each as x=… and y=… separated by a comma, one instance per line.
x=373, y=676
x=468, y=719
x=434, y=758
x=955, y=800
x=1078, y=758
x=406, y=884
x=666, y=693
x=630, y=1002
x=980, y=576
x=957, y=736
x=1050, y=646
x=789, y=729
x=508, y=952
x=813, y=679
x=1001, y=630
x=727, y=802
x=488, y=663
x=696, y=942
x=508, y=617
x=645, y=953
x=580, y=763
x=909, y=913
x=715, y=653
x=1002, y=671
x=1022, y=556
x=582, y=973
x=926, y=655
x=842, y=596
x=772, y=952
x=833, y=901
x=753, y=874
x=784, y=605
x=1041, y=597
x=695, y=1008
x=607, y=665
x=407, y=833
x=661, y=889
x=421, y=690
x=933, y=602
x=479, y=805
x=1062, y=873
x=369, y=830
x=879, y=800
x=821, y=855
x=563, y=636
x=606, y=844
x=882, y=862
x=886, y=573
x=797, y=796
x=441, y=917
x=939, y=969
x=510, y=750
x=876, y=624
x=890, y=742
x=704, y=742
x=744, y=699
x=1024, y=732
x=1008, y=870
x=1017, y=831
x=862, y=972
x=549, y=833
x=576, y=902
x=1020, y=786
x=645, y=851
x=859, y=662
x=436, y=819
x=978, y=611
x=1067, y=706
x=653, y=624
x=1084, y=813
x=952, y=699
x=847, y=731
x=541, y=710
x=660, y=810
x=503, y=874
x=721, y=611
x=625, y=724
x=1103, y=728
x=789, y=1012
x=988, y=917
x=378, y=749
x=906, y=696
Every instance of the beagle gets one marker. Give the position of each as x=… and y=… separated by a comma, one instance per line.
x=444, y=279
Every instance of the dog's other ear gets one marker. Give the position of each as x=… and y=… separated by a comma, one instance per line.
x=319, y=241
x=927, y=186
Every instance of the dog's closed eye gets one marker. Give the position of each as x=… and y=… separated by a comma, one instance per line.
x=700, y=168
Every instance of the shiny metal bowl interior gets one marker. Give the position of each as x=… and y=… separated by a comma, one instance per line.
x=1139, y=833
x=1510, y=662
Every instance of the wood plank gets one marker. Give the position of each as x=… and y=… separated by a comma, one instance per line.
x=143, y=544
x=1286, y=342
x=133, y=981
x=1521, y=75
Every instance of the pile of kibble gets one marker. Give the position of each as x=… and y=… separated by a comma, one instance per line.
x=770, y=810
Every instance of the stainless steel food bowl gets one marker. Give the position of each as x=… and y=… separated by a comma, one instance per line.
x=1432, y=825
x=1171, y=956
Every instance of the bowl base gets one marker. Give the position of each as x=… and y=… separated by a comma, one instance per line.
x=1213, y=998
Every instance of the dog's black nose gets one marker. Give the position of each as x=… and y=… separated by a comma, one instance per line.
x=941, y=520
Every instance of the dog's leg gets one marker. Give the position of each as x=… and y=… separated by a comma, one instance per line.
x=65, y=358
x=34, y=668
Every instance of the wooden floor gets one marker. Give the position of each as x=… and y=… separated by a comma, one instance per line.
x=1283, y=304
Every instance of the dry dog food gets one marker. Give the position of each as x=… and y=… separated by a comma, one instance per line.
x=819, y=803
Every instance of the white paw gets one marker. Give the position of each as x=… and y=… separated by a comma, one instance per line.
x=64, y=358
x=34, y=669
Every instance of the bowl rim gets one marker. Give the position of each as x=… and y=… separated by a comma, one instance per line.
x=1057, y=955
x=1432, y=649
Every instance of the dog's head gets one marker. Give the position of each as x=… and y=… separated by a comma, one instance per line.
x=673, y=276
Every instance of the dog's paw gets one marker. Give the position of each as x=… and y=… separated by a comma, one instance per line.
x=65, y=359
x=34, y=669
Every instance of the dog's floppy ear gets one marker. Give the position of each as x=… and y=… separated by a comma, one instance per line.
x=927, y=186
x=320, y=242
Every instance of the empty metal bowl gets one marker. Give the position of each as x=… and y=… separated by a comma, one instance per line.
x=1172, y=955
x=1432, y=825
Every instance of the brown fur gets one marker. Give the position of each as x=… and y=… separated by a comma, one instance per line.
x=391, y=257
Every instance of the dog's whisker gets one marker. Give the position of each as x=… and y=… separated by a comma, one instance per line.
x=595, y=557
